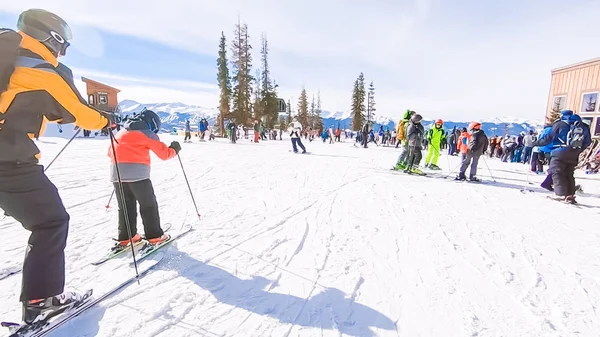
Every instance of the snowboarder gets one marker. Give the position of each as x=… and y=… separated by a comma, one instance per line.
x=188, y=132
x=569, y=137
x=414, y=139
x=476, y=147
x=35, y=88
x=435, y=136
x=295, y=130
x=402, y=139
x=132, y=146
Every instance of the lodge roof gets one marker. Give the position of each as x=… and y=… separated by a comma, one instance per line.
x=87, y=80
x=577, y=65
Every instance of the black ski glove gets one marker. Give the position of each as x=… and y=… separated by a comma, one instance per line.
x=175, y=146
x=112, y=119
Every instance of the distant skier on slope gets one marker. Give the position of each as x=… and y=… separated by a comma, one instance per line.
x=35, y=88
x=477, y=143
x=188, y=132
x=232, y=131
x=402, y=139
x=414, y=140
x=133, y=145
x=436, y=137
x=295, y=130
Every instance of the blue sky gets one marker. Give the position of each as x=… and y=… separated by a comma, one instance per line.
x=460, y=60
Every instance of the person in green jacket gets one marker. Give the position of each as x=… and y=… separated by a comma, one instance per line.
x=401, y=136
x=435, y=137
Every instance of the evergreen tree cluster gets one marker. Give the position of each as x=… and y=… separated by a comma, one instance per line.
x=309, y=115
x=359, y=111
x=243, y=97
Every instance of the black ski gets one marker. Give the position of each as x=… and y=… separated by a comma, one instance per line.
x=48, y=326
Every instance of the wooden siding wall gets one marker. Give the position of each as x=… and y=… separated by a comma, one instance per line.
x=573, y=82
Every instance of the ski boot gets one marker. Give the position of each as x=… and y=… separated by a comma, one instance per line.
x=40, y=310
x=400, y=166
x=434, y=167
x=460, y=177
x=474, y=180
x=120, y=245
x=570, y=199
x=159, y=240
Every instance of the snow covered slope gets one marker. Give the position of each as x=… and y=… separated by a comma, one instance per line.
x=328, y=244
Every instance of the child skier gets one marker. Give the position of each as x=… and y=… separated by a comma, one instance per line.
x=133, y=145
x=402, y=139
x=476, y=146
x=414, y=139
x=436, y=137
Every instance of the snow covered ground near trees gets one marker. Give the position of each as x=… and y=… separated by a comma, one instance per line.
x=327, y=244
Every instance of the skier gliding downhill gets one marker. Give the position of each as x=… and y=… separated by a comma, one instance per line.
x=39, y=90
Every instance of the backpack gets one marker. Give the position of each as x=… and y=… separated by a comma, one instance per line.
x=576, y=136
x=10, y=42
x=401, y=134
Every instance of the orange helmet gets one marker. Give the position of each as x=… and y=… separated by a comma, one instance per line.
x=475, y=126
x=439, y=121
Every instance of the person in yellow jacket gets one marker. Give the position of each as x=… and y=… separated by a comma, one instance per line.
x=435, y=137
x=401, y=132
x=36, y=88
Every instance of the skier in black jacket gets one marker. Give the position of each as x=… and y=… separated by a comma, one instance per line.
x=477, y=145
x=414, y=135
x=232, y=131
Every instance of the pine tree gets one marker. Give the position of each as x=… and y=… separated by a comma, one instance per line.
x=371, y=103
x=311, y=113
x=242, y=79
x=257, y=106
x=303, y=108
x=224, y=86
x=318, y=119
x=269, y=104
x=358, y=103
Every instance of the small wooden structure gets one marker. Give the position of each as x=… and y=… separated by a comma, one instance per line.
x=577, y=87
x=101, y=96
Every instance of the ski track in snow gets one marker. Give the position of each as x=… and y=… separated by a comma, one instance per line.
x=327, y=244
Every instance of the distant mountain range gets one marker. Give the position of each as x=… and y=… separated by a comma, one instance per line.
x=174, y=115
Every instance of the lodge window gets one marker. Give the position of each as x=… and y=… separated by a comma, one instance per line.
x=597, y=129
x=559, y=103
x=91, y=99
x=589, y=102
x=103, y=99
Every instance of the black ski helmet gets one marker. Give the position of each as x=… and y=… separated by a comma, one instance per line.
x=152, y=119
x=46, y=27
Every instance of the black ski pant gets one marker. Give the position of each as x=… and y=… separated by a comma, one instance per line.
x=29, y=197
x=471, y=159
x=188, y=135
x=140, y=192
x=563, y=176
x=297, y=142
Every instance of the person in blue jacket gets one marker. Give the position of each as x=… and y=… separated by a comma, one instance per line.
x=538, y=156
x=202, y=127
x=569, y=137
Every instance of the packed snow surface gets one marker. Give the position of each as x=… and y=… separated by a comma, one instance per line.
x=326, y=244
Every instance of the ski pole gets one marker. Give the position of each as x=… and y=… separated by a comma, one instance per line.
x=123, y=205
x=61, y=150
x=188, y=185
x=109, y=199
x=490, y=171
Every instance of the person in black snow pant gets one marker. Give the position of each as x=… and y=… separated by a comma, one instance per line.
x=476, y=148
x=232, y=132
x=34, y=96
x=569, y=138
x=295, y=130
x=365, y=135
x=414, y=136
